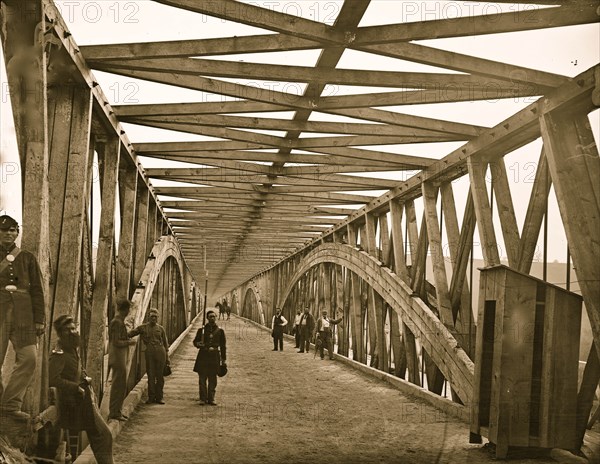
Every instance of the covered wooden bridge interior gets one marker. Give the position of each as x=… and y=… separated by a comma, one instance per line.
x=290, y=186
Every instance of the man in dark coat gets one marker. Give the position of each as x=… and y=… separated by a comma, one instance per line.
x=212, y=352
x=157, y=354
x=277, y=325
x=306, y=326
x=22, y=315
x=76, y=402
x=118, y=349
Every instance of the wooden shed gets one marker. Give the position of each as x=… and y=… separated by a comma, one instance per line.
x=526, y=361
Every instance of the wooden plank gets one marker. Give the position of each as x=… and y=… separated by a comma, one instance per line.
x=518, y=297
x=199, y=47
x=375, y=316
x=128, y=178
x=109, y=155
x=141, y=229
x=355, y=306
x=460, y=296
x=536, y=210
x=574, y=170
x=264, y=123
x=260, y=17
x=513, y=21
x=76, y=188
x=290, y=73
x=400, y=268
x=418, y=53
x=506, y=211
x=418, y=266
x=483, y=212
x=437, y=255
x=460, y=301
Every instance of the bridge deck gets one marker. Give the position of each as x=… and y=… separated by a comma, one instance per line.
x=276, y=407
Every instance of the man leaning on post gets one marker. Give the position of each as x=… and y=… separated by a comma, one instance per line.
x=118, y=349
x=76, y=401
x=22, y=316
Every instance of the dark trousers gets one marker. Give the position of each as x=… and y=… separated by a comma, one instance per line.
x=117, y=362
x=297, y=337
x=325, y=337
x=156, y=357
x=304, y=339
x=278, y=340
x=100, y=439
x=207, y=393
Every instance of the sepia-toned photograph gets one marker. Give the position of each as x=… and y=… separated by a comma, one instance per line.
x=405, y=193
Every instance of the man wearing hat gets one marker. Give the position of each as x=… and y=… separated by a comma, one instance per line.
x=22, y=315
x=212, y=353
x=306, y=326
x=76, y=402
x=157, y=354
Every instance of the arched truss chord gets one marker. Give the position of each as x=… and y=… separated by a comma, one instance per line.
x=443, y=348
x=253, y=291
x=164, y=248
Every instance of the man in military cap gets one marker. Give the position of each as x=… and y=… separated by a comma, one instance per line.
x=77, y=408
x=157, y=354
x=22, y=315
x=212, y=352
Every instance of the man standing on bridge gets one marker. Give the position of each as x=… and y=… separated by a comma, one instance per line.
x=212, y=352
x=22, y=315
x=157, y=354
x=118, y=349
x=76, y=400
x=306, y=326
x=324, y=331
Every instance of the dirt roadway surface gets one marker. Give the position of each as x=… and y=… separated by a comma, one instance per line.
x=286, y=407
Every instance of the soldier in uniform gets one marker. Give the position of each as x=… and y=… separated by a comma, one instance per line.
x=118, y=350
x=157, y=354
x=76, y=401
x=212, y=351
x=22, y=315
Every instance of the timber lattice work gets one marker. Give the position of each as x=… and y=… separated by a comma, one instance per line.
x=278, y=206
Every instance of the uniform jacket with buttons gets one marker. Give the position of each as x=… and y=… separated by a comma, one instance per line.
x=214, y=350
x=27, y=303
x=66, y=374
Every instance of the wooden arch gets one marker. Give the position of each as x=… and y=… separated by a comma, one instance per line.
x=252, y=290
x=439, y=342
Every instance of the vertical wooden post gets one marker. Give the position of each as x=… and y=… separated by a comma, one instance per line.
x=483, y=211
x=141, y=231
x=75, y=203
x=355, y=305
x=26, y=65
x=506, y=212
x=109, y=156
x=535, y=214
x=128, y=178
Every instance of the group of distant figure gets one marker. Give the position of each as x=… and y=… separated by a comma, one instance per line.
x=23, y=320
x=305, y=329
